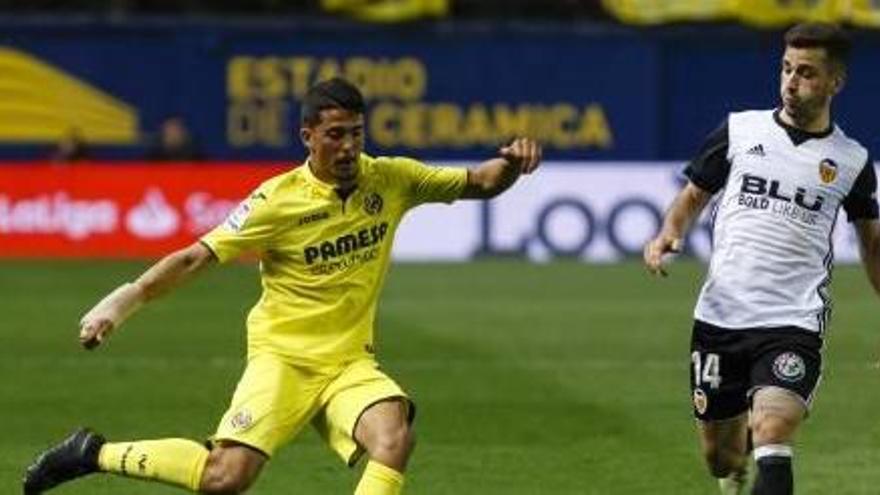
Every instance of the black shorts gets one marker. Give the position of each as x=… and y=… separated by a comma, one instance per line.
x=728, y=365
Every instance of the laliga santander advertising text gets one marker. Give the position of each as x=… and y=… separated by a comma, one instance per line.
x=124, y=210
x=592, y=211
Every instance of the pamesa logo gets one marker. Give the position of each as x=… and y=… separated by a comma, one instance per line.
x=50, y=104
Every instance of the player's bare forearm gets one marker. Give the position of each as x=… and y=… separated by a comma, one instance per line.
x=174, y=270
x=126, y=299
x=868, y=232
x=496, y=175
x=490, y=179
x=684, y=210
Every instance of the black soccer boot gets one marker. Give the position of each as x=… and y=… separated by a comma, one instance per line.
x=75, y=456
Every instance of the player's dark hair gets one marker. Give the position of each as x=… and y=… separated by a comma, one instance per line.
x=831, y=37
x=332, y=93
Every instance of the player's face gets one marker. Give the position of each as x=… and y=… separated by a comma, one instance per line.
x=807, y=83
x=335, y=144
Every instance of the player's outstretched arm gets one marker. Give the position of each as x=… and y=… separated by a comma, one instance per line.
x=868, y=232
x=685, y=208
x=494, y=176
x=170, y=272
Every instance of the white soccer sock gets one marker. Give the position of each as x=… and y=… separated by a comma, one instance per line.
x=773, y=450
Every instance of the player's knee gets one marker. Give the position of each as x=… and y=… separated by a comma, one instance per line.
x=717, y=467
x=227, y=474
x=722, y=461
x=396, y=441
x=767, y=429
x=720, y=468
x=392, y=445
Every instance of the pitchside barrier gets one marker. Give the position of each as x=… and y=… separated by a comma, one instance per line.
x=596, y=212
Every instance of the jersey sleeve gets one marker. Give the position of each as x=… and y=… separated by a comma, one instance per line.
x=861, y=202
x=710, y=168
x=249, y=228
x=429, y=184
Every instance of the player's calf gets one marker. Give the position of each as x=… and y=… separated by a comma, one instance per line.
x=734, y=484
x=776, y=415
x=231, y=469
x=725, y=445
x=724, y=461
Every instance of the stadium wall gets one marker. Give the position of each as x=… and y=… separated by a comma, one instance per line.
x=595, y=212
x=436, y=91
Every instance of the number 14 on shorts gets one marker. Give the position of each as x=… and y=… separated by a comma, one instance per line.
x=707, y=369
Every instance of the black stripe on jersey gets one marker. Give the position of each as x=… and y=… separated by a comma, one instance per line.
x=824, y=315
x=709, y=169
x=716, y=207
x=861, y=201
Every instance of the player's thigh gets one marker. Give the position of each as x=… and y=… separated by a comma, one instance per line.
x=271, y=404
x=790, y=360
x=776, y=415
x=359, y=387
x=719, y=373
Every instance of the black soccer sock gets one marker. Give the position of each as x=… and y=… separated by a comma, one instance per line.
x=774, y=471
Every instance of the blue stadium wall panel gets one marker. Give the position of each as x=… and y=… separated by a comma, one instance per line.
x=434, y=91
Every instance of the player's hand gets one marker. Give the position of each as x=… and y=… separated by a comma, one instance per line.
x=522, y=153
x=93, y=331
x=96, y=325
x=657, y=251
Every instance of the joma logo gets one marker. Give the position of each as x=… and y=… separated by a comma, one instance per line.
x=314, y=217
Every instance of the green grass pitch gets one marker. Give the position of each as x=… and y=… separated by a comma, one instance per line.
x=561, y=378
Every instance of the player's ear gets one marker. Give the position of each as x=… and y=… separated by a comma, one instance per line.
x=305, y=134
x=838, y=73
x=839, y=81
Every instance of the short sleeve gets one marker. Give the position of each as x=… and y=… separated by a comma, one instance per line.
x=710, y=168
x=861, y=202
x=249, y=228
x=430, y=184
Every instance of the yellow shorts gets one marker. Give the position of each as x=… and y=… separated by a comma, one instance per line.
x=275, y=400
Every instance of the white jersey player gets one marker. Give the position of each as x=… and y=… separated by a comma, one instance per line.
x=783, y=177
x=782, y=190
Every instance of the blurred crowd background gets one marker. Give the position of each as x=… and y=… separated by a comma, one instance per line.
x=595, y=80
x=391, y=11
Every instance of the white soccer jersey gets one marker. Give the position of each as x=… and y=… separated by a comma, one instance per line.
x=782, y=190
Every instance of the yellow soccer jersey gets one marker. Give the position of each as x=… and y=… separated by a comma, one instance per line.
x=323, y=260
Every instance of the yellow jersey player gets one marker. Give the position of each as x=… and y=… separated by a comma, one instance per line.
x=323, y=233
